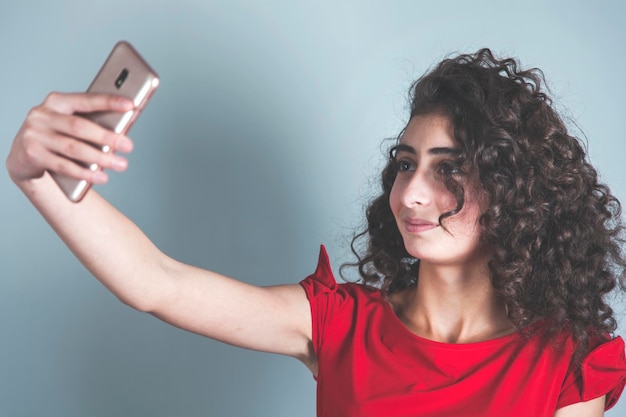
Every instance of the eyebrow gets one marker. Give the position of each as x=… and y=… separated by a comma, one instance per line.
x=442, y=150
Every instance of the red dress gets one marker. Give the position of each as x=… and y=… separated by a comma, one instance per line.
x=370, y=364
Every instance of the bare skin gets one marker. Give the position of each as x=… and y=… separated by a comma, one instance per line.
x=453, y=303
x=272, y=319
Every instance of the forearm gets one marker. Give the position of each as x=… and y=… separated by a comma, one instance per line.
x=106, y=242
x=118, y=253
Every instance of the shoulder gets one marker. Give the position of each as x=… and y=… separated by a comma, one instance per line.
x=602, y=372
x=322, y=283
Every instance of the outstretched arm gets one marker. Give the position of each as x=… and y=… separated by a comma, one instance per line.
x=273, y=319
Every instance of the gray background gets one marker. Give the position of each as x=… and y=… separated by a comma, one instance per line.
x=262, y=143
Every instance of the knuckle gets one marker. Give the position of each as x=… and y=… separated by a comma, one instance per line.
x=110, y=139
x=31, y=153
x=102, y=137
x=52, y=98
x=27, y=128
x=105, y=160
x=70, y=147
x=61, y=167
x=30, y=143
x=64, y=167
x=35, y=115
x=32, y=114
x=76, y=125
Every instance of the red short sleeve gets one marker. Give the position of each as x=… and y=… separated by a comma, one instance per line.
x=320, y=288
x=603, y=372
x=322, y=280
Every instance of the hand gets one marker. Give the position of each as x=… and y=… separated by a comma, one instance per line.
x=52, y=137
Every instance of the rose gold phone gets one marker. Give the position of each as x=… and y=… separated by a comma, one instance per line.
x=123, y=73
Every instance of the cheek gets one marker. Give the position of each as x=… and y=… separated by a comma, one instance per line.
x=466, y=222
x=446, y=201
x=395, y=198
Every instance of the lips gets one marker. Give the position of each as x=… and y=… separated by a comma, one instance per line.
x=414, y=225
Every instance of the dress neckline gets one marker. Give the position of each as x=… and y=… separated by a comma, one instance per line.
x=398, y=324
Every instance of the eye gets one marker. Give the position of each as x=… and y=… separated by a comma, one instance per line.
x=452, y=169
x=403, y=165
x=456, y=171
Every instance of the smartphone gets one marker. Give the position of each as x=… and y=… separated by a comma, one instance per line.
x=123, y=73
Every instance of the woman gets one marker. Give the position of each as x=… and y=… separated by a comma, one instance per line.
x=493, y=245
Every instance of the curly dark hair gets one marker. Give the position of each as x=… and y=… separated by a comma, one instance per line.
x=556, y=231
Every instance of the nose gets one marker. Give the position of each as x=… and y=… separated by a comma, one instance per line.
x=416, y=189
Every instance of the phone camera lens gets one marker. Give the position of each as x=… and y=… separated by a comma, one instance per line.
x=121, y=78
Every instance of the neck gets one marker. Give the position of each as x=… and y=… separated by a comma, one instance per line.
x=453, y=305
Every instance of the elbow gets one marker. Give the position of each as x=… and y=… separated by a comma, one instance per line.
x=140, y=303
x=151, y=295
x=146, y=296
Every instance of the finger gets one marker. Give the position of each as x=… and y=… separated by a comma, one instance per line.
x=51, y=123
x=71, y=169
x=39, y=158
x=24, y=159
x=69, y=103
x=85, y=153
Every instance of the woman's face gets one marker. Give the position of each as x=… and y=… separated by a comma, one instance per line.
x=418, y=196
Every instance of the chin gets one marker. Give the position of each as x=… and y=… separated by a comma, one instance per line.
x=448, y=255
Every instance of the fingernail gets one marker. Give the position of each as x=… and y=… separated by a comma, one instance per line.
x=123, y=103
x=119, y=164
x=125, y=146
x=99, y=177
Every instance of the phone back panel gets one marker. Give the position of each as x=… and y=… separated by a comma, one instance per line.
x=138, y=84
x=123, y=73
